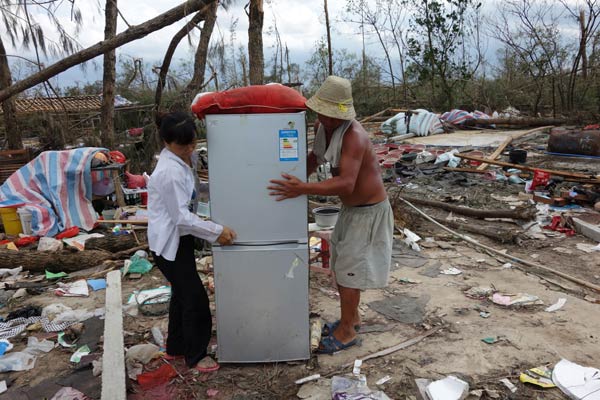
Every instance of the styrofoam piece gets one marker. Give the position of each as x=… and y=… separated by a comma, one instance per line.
x=576, y=381
x=449, y=388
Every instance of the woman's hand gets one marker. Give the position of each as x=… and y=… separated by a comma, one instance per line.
x=227, y=236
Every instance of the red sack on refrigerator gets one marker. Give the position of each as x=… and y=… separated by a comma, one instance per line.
x=540, y=178
x=272, y=98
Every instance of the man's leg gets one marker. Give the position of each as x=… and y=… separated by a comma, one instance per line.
x=349, y=300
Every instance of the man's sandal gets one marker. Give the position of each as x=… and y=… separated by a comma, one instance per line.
x=330, y=345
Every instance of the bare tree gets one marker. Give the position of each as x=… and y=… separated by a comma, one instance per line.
x=586, y=13
x=255, y=42
x=133, y=33
x=532, y=46
x=21, y=27
x=328, y=27
x=164, y=68
x=202, y=49
x=107, y=115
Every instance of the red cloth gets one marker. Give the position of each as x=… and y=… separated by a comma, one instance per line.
x=272, y=98
x=157, y=377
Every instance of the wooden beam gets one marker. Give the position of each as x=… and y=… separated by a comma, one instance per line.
x=508, y=141
x=569, y=176
x=113, y=358
x=370, y=117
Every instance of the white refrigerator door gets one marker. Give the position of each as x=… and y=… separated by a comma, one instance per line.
x=262, y=303
x=244, y=153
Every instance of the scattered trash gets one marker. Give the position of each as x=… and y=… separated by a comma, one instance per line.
x=556, y=306
x=137, y=265
x=451, y=271
x=82, y=351
x=449, y=388
x=316, y=327
x=49, y=244
x=509, y=385
x=52, y=275
x=411, y=239
x=10, y=272
x=142, y=353
x=316, y=390
x=519, y=299
x=158, y=337
x=3, y=387
x=73, y=289
x=151, y=379
x=356, y=368
x=408, y=281
x=69, y=393
x=78, y=241
x=307, y=379
x=383, y=380
x=491, y=340
x=576, y=381
x=5, y=346
x=17, y=361
x=354, y=388
x=61, y=340
x=479, y=292
x=97, y=284
x=539, y=376
x=212, y=392
x=484, y=314
x=588, y=248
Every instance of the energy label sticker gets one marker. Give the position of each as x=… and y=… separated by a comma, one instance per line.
x=288, y=145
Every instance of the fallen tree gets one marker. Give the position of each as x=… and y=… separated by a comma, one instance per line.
x=129, y=35
x=60, y=261
x=526, y=213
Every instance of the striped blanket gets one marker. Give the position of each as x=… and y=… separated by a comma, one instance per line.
x=56, y=187
x=458, y=117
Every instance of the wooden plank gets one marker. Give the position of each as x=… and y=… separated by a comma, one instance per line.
x=113, y=358
x=569, y=176
x=370, y=117
x=508, y=141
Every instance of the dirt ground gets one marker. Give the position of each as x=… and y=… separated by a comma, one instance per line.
x=530, y=336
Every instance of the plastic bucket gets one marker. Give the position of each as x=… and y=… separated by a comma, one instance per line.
x=25, y=217
x=11, y=221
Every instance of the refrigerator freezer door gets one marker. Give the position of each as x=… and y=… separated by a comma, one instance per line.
x=244, y=153
x=262, y=303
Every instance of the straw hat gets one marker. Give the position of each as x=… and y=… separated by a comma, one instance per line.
x=334, y=99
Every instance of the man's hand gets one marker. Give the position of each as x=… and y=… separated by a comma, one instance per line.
x=227, y=236
x=288, y=188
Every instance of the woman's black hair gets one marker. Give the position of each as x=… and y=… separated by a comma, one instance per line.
x=176, y=127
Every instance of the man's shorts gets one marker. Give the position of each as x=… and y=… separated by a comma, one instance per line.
x=361, y=246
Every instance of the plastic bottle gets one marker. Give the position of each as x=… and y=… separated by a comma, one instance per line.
x=158, y=337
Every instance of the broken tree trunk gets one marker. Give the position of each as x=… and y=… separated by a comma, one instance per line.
x=514, y=121
x=525, y=213
x=65, y=261
x=115, y=244
x=501, y=235
x=131, y=34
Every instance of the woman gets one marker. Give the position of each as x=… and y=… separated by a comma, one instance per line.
x=172, y=225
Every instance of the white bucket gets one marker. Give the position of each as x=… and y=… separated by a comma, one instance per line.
x=25, y=217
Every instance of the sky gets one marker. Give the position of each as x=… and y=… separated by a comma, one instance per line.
x=300, y=23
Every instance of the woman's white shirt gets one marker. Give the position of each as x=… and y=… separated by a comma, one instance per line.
x=172, y=203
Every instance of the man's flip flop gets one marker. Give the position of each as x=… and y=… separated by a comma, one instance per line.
x=329, y=327
x=330, y=345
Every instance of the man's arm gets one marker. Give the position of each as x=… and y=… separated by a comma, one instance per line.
x=353, y=149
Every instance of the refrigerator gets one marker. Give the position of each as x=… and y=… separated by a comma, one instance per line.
x=261, y=282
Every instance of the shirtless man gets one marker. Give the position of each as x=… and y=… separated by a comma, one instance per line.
x=361, y=242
